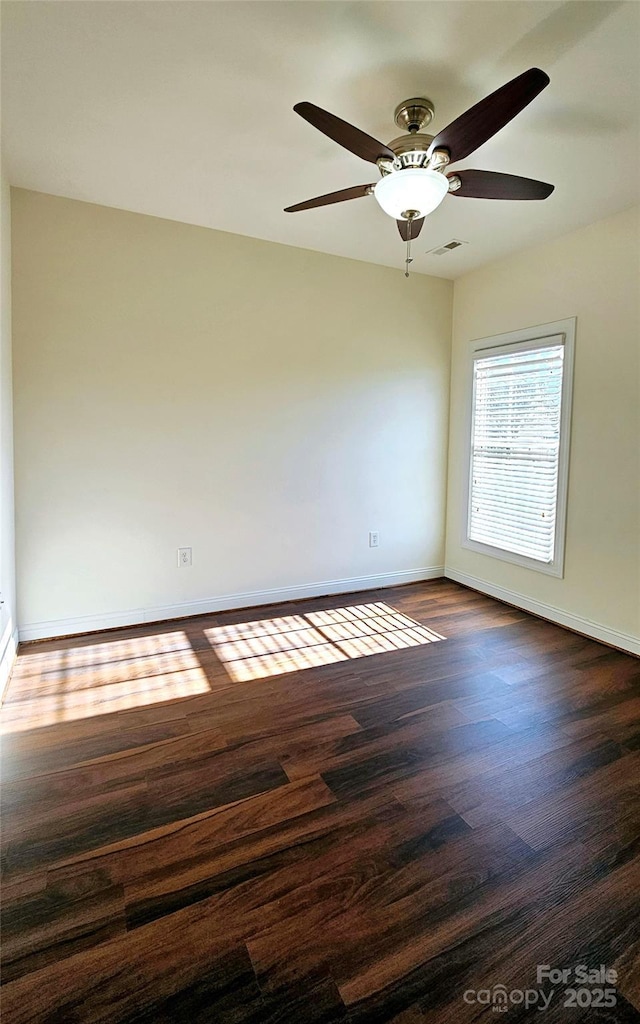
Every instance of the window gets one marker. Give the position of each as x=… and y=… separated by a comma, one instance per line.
x=518, y=457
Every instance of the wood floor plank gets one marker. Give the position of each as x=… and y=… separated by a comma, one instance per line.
x=507, y=910
x=264, y=868
x=402, y=761
x=67, y=916
x=494, y=795
x=407, y=893
x=583, y=807
x=366, y=743
x=69, y=908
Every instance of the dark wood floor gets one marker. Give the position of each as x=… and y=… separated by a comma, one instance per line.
x=358, y=839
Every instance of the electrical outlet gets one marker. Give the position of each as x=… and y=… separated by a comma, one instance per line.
x=374, y=538
x=184, y=557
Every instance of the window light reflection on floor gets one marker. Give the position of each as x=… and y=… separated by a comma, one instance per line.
x=95, y=679
x=269, y=647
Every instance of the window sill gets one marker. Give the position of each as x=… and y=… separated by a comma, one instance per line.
x=548, y=568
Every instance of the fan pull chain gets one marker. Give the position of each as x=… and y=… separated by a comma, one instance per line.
x=408, y=259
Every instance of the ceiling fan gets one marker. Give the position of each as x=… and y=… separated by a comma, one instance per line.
x=413, y=181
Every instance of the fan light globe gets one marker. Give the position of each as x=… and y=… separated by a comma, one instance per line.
x=416, y=188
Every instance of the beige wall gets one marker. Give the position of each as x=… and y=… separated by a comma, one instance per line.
x=8, y=624
x=268, y=406
x=177, y=386
x=593, y=274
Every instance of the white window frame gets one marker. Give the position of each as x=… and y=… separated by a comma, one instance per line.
x=560, y=332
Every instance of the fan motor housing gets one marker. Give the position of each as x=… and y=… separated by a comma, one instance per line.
x=411, y=150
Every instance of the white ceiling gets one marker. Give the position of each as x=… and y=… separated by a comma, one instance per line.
x=183, y=110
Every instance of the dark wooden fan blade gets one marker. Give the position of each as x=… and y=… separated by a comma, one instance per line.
x=492, y=185
x=356, y=192
x=415, y=225
x=480, y=122
x=344, y=133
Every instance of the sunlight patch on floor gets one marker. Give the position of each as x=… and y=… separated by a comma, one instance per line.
x=72, y=683
x=269, y=647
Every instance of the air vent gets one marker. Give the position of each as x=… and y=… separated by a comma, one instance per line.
x=442, y=250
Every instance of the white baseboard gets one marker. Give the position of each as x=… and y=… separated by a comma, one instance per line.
x=594, y=630
x=8, y=651
x=136, y=616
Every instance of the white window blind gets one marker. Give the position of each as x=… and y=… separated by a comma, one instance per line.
x=515, y=449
